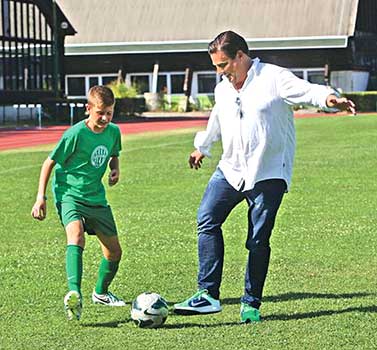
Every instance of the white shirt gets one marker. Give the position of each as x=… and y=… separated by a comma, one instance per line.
x=256, y=125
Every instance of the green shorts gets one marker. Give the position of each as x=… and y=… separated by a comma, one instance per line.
x=96, y=219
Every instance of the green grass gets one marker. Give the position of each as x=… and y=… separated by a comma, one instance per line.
x=321, y=288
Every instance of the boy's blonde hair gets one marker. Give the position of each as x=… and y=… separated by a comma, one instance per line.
x=101, y=95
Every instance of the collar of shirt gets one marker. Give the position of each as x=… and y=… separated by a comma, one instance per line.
x=250, y=74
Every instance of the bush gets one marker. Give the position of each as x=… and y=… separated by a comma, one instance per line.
x=205, y=102
x=126, y=107
x=127, y=101
x=365, y=101
x=121, y=90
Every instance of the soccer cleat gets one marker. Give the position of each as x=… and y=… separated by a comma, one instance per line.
x=249, y=314
x=108, y=299
x=73, y=305
x=200, y=303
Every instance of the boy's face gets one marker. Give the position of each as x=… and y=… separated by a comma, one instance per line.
x=99, y=116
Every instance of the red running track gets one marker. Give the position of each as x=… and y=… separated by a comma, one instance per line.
x=11, y=139
x=17, y=138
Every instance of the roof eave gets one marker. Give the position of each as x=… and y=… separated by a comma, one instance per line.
x=291, y=43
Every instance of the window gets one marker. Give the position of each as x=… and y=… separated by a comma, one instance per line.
x=93, y=81
x=162, y=85
x=169, y=82
x=316, y=77
x=313, y=75
x=141, y=82
x=177, y=81
x=206, y=83
x=76, y=86
x=107, y=79
x=298, y=73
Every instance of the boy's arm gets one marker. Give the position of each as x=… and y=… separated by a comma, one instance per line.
x=114, y=170
x=39, y=208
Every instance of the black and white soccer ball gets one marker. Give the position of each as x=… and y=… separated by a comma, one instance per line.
x=149, y=310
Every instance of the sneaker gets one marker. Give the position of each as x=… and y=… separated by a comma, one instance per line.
x=108, y=299
x=73, y=305
x=200, y=303
x=249, y=314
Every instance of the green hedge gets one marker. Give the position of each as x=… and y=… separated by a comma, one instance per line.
x=365, y=101
x=205, y=102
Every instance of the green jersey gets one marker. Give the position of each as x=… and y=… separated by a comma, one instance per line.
x=81, y=158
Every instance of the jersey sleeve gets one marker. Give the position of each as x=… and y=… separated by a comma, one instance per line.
x=117, y=144
x=64, y=149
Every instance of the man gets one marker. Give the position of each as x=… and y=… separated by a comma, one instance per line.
x=254, y=120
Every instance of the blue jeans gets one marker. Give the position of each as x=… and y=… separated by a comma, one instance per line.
x=218, y=201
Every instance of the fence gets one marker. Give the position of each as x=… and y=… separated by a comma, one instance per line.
x=39, y=115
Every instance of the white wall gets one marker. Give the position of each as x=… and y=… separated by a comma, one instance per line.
x=349, y=81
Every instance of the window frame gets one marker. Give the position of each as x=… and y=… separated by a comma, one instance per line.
x=87, y=78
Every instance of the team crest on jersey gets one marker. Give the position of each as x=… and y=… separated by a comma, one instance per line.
x=99, y=156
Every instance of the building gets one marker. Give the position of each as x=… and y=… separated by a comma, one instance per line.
x=31, y=55
x=322, y=41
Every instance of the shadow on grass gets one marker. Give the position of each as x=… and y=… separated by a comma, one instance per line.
x=110, y=324
x=300, y=296
x=198, y=325
x=300, y=316
x=278, y=317
x=116, y=324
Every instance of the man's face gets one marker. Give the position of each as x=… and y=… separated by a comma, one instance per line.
x=232, y=68
x=99, y=116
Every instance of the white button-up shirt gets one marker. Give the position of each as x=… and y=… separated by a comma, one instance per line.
x=256, y=124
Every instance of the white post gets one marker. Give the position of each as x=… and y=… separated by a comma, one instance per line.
x=71, y=107
x=39, y=110
x=31, y=107
x=154, y=78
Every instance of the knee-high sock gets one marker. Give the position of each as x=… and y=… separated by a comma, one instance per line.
x=106, y=273
x=74, y=267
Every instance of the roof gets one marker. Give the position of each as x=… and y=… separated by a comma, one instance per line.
x=126, y=26
x=46, y=7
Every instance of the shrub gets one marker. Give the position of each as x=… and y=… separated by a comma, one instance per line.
x=205, y=102
x=121, y=90
x=365, y=101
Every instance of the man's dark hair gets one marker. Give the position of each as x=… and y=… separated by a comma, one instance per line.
x=229, y=42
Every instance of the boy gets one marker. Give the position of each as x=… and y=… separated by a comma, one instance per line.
x=81, y=158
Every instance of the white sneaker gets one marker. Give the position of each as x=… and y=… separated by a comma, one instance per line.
x=73, y=305
x=108, y=299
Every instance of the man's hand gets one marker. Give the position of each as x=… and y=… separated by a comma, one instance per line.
x=39, y=209
x=113, y=177
x=195, y=159
x=342, y=103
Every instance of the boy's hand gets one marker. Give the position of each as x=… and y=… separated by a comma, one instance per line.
x=39, y=209
x=113, y=177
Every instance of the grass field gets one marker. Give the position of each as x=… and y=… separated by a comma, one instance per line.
x=321, y=291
